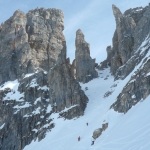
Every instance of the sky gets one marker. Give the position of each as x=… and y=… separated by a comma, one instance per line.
x=93, y=17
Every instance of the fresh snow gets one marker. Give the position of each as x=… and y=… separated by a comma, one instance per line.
x=128, y=131
x=133, y=96
x=14, y=94
x=66, y=109
x=18, y=107
x=35, y=130
x=45, y=88
x=37, y=111
x=139, y=9
x=2, y=126
x=9, y=84
x=33, y=83
x=28, y=75
x=49, y=109
x=148, y=74
x=37, y=100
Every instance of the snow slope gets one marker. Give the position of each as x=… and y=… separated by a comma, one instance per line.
x=128, y=131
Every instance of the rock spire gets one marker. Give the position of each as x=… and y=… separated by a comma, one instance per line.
x=85, y=65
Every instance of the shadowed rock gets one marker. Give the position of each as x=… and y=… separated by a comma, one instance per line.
x=85, y=65
x=123, y=41
x=99, y=131
x=33, y=53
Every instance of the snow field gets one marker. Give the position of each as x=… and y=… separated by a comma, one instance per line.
x=128, y=131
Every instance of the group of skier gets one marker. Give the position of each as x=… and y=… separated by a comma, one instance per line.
x=92, y=139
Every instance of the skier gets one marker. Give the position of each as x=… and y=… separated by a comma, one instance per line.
x=87, y=123
x=79, y=138
x=93, y=140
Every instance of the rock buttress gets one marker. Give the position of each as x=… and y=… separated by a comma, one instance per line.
x=85, y=65
x=33, y=59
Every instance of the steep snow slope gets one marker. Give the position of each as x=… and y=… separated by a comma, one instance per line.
x=128, y=131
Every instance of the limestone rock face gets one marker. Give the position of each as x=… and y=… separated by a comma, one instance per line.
x=33, y=59
x=65, y=91
x=44, y=28
x=137, y=89
x=131, y=30
x=85, y=65
x=14, y=47
x=130, y=50
x=26, y=116
x=141, y=33
x=135, y=13
x=123, y=39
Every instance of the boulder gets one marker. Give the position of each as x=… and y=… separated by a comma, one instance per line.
x=99, y=131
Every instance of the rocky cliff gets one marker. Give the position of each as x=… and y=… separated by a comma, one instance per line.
x=35, y=76
x=84, y=64
x=130, y=50
x=38, y=81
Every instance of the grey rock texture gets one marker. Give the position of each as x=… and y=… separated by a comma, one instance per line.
x=123, y=39
x=73, y=68
x=131, y=29
x=129, y=51
x=140, y=34
x=33, y=57
x=14, y=47
x=65, y=91
x=135, y=13
x=31, y=41
x=99, y=131
x=27, y=117
x=85, y=65
x=137, y=89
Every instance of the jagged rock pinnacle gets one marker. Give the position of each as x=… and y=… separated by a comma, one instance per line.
x=34, y=44
x=116, y=11
x=85, y=65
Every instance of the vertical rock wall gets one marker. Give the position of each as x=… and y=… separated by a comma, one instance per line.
x=123, y=39
x=85, y=65
x=130, y=51
x=33, y=59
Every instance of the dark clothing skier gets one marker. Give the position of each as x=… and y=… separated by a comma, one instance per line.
x=87, y=123
x=93, y=140
x=79, y=138
x=92, y=143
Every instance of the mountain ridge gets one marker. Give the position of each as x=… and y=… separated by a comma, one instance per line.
x=40, y=88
